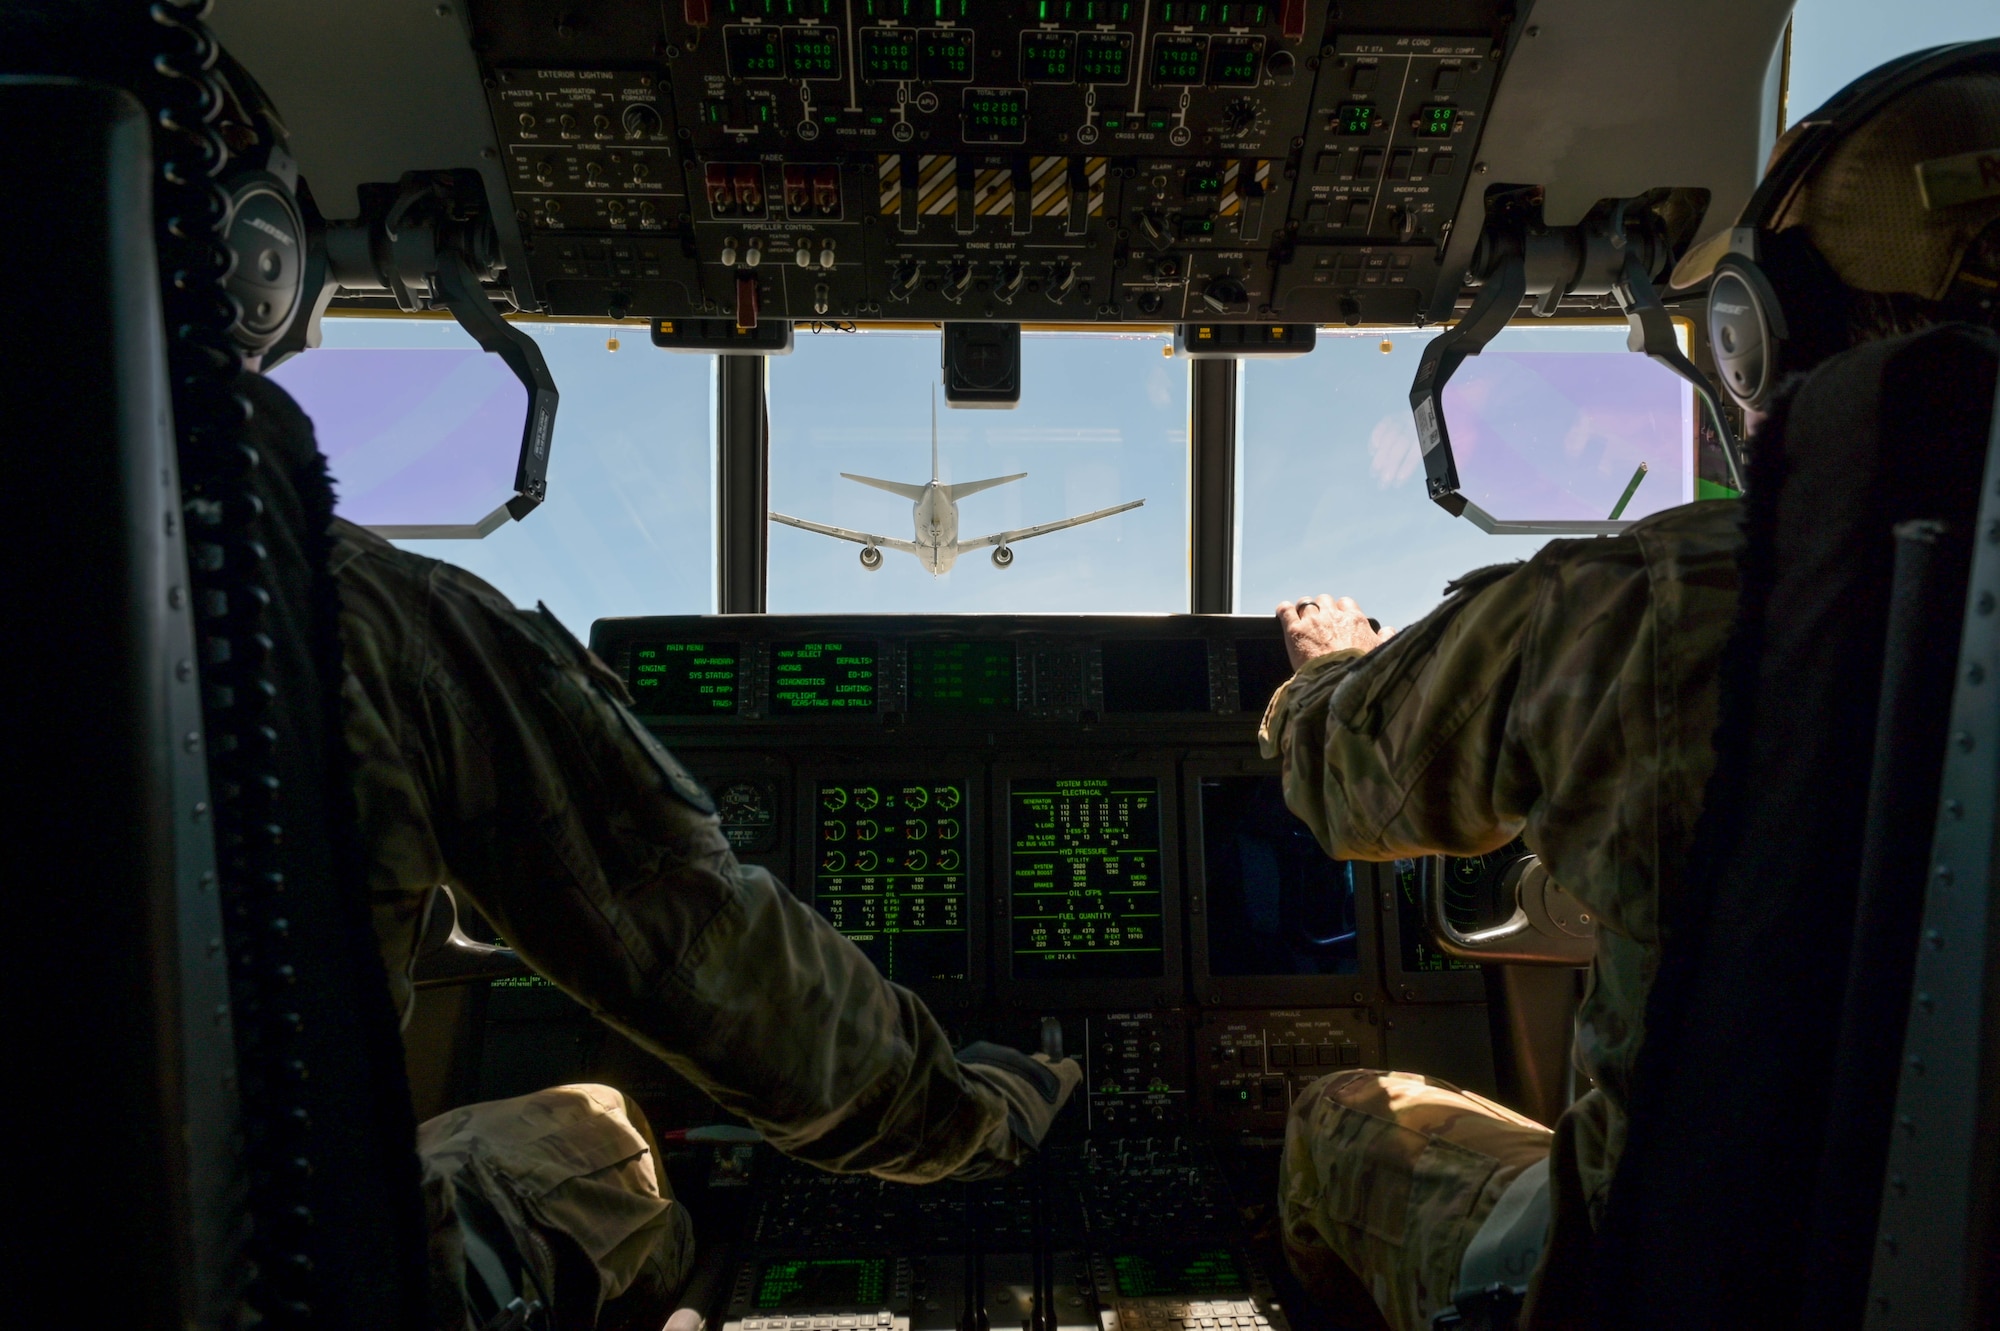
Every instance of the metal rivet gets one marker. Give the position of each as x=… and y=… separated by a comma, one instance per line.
x=1954, y=810
x=1907, y=1124
x=1976, y=674
x=176, y=598
x=192, y=741
x=1889, y=1242
x=1916, y=1062
x=1964, y=741
x=183, y=671
x=200, y=810
x=1944, y=874
x=1985, y=603
x=1993, y=533
x=1934, y=940
x=1925, y=1003
x=1899, y=1185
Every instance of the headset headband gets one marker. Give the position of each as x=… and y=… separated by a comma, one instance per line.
x=1848, y=108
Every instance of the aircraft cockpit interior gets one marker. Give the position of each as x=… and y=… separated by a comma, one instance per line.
x=655, y=313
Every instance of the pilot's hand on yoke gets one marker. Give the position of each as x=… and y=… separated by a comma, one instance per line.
x=1035, y=1088
x=1317, y=625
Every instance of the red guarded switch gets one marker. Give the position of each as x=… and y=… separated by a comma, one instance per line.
x=695, y=13
x=798, y=190
x=721, y=190
x=750, y=188
x=1294, y=19
x=826, y=191
x=746, y=302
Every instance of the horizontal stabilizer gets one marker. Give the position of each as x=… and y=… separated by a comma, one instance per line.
x=845, y=533
x=1023, y=533
x=964, y=488
x=893, y=487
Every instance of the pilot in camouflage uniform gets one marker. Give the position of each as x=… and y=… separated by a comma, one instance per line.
x=1571, y=700
x=494, y=753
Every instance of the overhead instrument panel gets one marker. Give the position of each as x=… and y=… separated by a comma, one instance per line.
x=1023, y=160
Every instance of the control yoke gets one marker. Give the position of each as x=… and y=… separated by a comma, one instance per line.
x=1517, y=257
x=1549, y=927
x=429, y=242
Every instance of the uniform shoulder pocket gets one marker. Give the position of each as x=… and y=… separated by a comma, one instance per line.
x=1375, y=685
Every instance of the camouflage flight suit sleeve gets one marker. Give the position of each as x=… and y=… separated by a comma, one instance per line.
x=496, y=755
x=1570, y=700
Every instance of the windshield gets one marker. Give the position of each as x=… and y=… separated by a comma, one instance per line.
x=1102, y=421
x=420, y=426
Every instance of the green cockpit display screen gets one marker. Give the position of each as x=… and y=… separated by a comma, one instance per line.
x=684, y=678
x=822, y=1282
x=1084, y=874
x=1203, y=1273
x=961, y=676
x=822, y=677
x=889, y=872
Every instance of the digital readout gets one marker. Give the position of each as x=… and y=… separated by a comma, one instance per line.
x=1233, y=62
x=1437, y=122
x=890, y=873
x=822, y=1282
x=813, y=53
x=822, y=677
x=1178, y=60
x=1354, y=118
x=1084, y=879
x=753, y=53
x=961, y=676
x=888, y=55
x=1048, y=57
x=1201, y=1274
x=683, y=678
x=996, y=115
x=1104, y=57
x=944, y=55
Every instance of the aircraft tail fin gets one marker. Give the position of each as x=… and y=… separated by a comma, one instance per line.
x=964, y=488
x=893, y=487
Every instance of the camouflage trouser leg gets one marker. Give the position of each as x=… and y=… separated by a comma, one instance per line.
x=571, y=1167
x=1392, y=1174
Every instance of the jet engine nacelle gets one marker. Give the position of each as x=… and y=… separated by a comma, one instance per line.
x=871, y=557
x=1003, y=555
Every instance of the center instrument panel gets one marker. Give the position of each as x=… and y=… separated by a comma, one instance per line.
x=1016, y=160
x=1056, y=829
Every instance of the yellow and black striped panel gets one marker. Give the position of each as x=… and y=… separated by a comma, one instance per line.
x=993, y=191
x=1232, y=192
x=1050, y=187
x=937, y=185
x=889, y=173
x=1094, y=170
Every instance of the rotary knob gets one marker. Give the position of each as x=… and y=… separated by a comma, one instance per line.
x=1240, y=116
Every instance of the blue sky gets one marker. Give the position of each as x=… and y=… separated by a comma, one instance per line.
x=1330, y=496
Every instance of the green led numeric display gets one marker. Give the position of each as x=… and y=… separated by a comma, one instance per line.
x=753, y=53
x=888, y=55
x=813, y=53
x=1202, y=1274
x=1233, y=62
x=1048, y=57
x=1178, y=60
x=1354, y=119
x=944, y=55
x=1104, y=57
x=996, y=115
x=822, y=677
x=1437, y=122
x=822, y=1282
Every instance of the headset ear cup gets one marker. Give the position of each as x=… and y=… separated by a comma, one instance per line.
x=267, y=243
x=1747, y=332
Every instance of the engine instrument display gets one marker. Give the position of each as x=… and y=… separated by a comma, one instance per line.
x=1276, y=904
x=1084, y=869
x=684, y=678
x=890, y=873
x=822, y=677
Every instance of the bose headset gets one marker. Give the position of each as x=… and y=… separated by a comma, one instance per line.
x=1774, y=305
x=266, y=231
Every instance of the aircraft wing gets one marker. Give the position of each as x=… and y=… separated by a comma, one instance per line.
x=845, y=533
x=1009, y=537
x=893, y=487
x=964, y=488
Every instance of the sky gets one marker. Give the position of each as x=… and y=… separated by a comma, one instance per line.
x=1330, y=494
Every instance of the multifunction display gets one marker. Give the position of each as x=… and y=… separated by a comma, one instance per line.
x=823, y=676
x=1276, y=904
x=961, y=676
x=821, y=1283
x=890, y=873
x=1084, y=869
x=684, y=678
